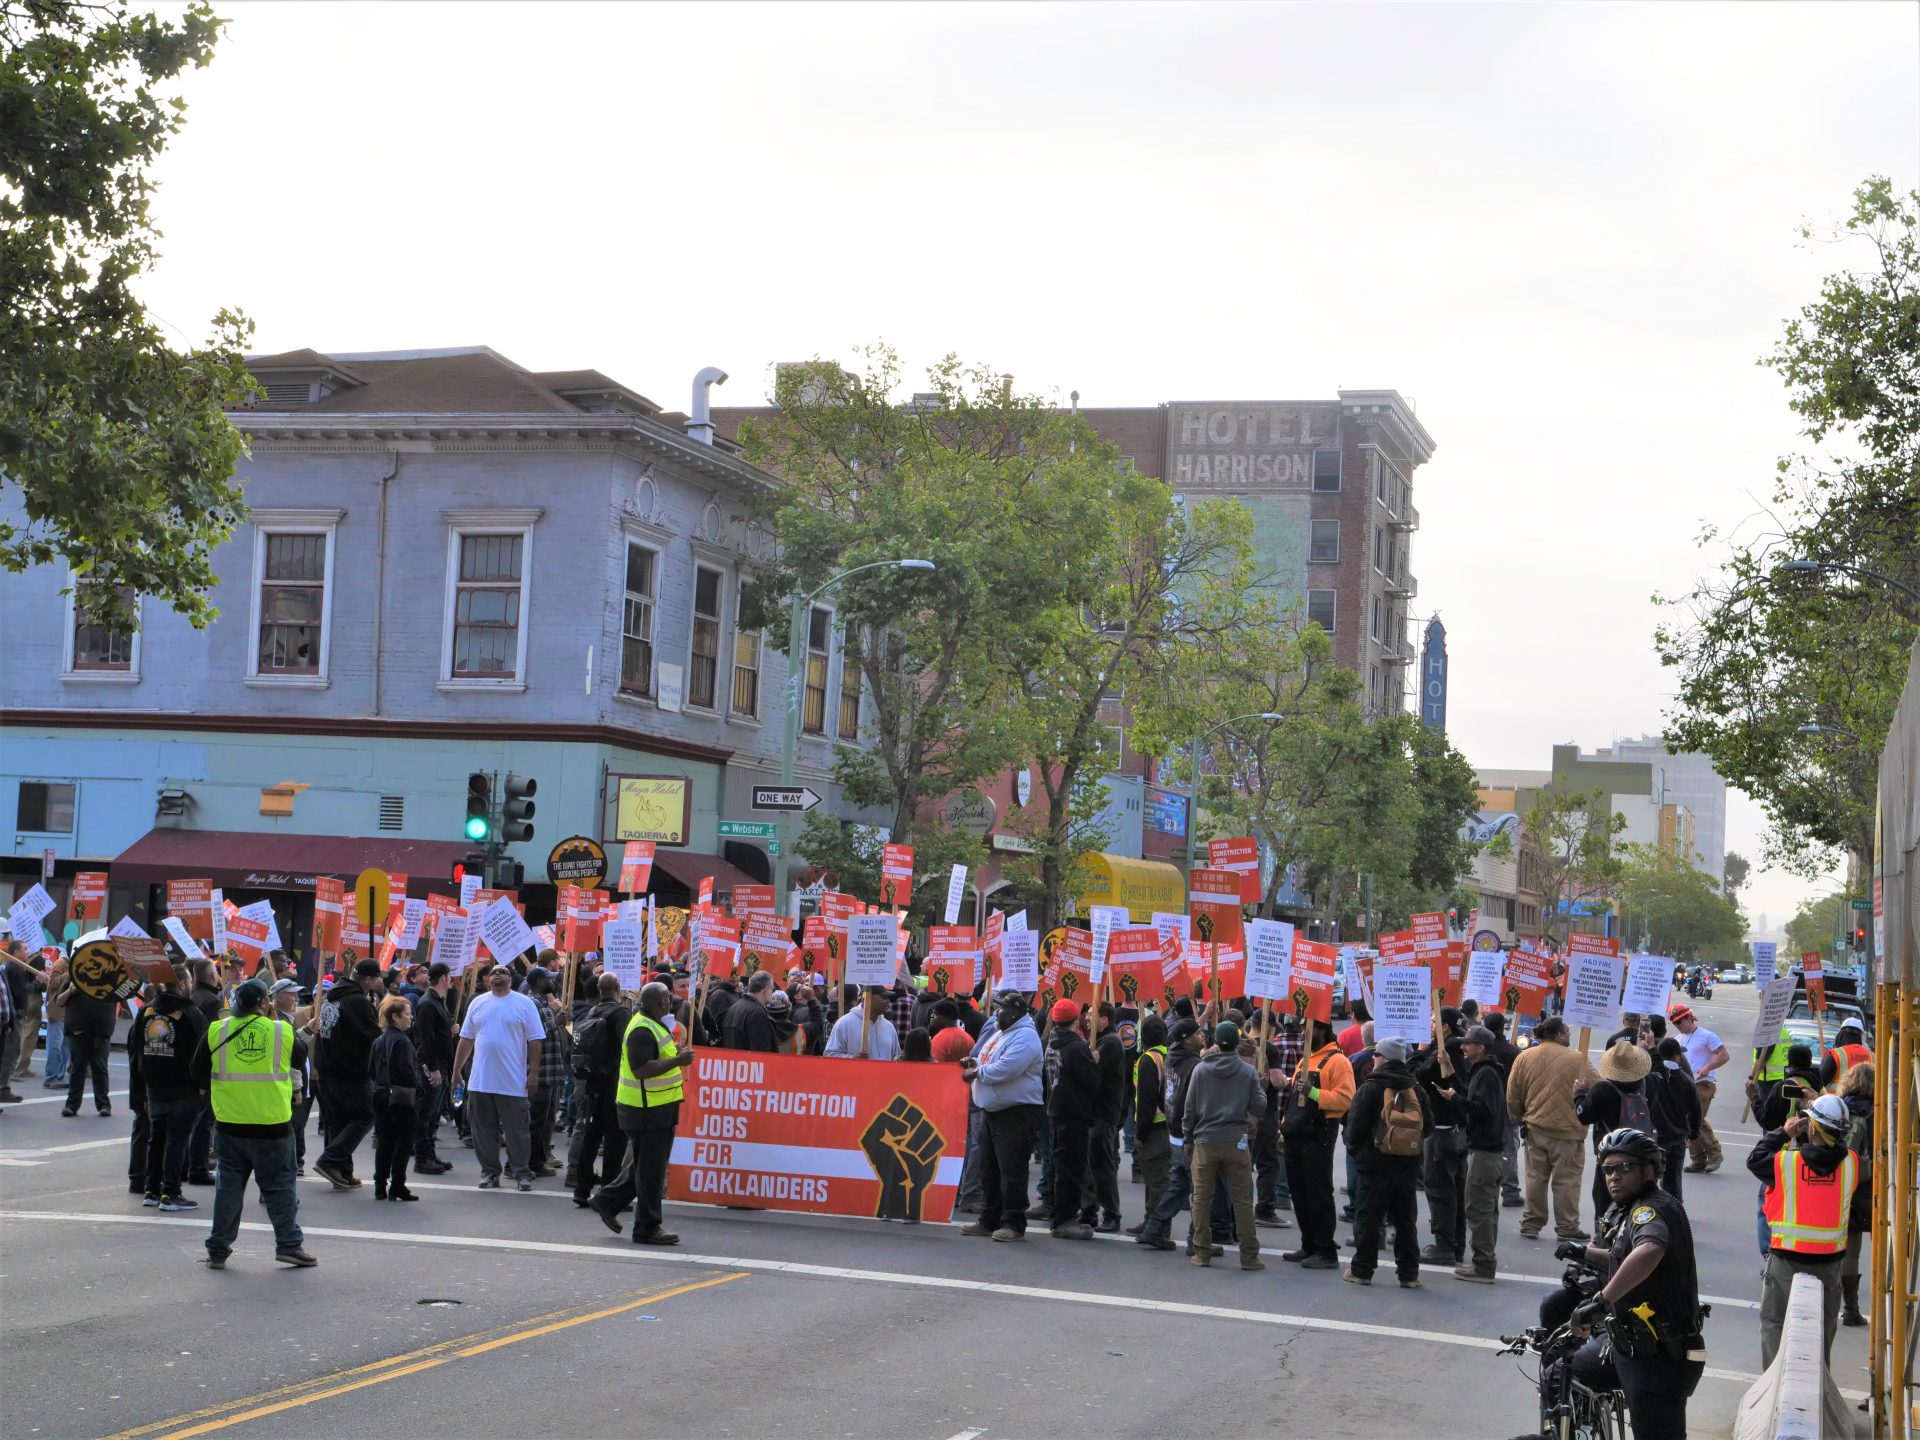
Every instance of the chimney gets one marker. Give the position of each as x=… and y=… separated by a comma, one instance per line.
x=700, y=422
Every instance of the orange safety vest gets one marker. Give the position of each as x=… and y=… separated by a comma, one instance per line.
x=1846, y=1058
x=1806, y=1211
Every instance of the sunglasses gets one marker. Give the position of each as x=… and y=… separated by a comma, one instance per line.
x=1624, y=1167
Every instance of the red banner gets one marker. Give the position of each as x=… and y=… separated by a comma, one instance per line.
x=1071, y=972
x=1429, y=925
x=192, y=902
x=88, y=901
x=814, y=948
x=1592, y=945
x=1242, y=856
x=833, y=1137
x=1213, y=900
x=1310, y=991
x=896, y=876
x=636, y=867
x=720, y=945
x=1527, y=983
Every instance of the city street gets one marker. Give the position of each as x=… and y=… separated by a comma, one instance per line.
x=499, y=1313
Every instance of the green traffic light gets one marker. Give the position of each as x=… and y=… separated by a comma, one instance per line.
x=477, y=827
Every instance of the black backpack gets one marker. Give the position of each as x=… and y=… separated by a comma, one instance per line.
x=1635, y=1113
x=593, y=1046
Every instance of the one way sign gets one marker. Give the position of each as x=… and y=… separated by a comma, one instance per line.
x=770, y=797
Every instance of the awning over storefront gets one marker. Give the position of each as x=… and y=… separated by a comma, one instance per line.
x=244, y=860
x=1143, y=886
x=690, y=867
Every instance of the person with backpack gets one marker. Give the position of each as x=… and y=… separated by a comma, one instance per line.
x=1676, y=1108
x=160, y=1046
x=1385, y=1128
x=599, y=1145
x=1618, y=1102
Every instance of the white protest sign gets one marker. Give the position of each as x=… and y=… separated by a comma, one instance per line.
x=503, y=929
x=1593, y=991
x=1269, y=959
x=1766, y=959
x=24, y=919
x=621, y=947
x=1020, y=960
x=1017, y=921
x=632, y=911
x=1356, y=980
x=1485, y=970
x=873, y=956
x=1104, y=920
x=450, y=947
x=261, y=913
x=470, y=886
x=413, y=915
x=1649, y=983
x=1775, y=1001
x=219, y=922
x=1403, y=1003
x=125, y=925
x=653, y=927
x=189, y=947
x=956, y=891
x=1180, y=925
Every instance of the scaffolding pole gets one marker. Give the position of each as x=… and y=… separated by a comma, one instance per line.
x=1896, y=1211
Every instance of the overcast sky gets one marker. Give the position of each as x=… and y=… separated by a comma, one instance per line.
x=1566, y=232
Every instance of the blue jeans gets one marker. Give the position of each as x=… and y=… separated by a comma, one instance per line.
x=270, y=1162
x=56, y=1053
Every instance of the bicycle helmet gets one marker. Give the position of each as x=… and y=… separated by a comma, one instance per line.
x=1635, y=1145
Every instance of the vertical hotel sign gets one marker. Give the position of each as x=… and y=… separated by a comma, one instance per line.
x=1433, y=675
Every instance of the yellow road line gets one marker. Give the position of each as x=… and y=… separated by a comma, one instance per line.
x=396, y=1366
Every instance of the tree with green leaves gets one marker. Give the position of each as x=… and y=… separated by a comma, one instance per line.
x=1818, y=923
x=1736, y=870
x=1674, y=909
x=1789, y=679
x=1572, y=833
x=118, y=446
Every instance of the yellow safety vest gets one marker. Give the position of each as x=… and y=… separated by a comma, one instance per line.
x=252, y=1070
x=666, y=1089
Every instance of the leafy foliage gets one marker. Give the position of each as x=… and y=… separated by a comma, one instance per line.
x=118, y=446
x=1572, y=832
x=1675, y=909
x=1817, y=923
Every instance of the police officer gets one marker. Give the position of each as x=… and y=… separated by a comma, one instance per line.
x=647, y=1104
x=247, y=1063
x=1651, y=1296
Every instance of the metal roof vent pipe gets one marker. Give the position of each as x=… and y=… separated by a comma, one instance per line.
x=700, y=422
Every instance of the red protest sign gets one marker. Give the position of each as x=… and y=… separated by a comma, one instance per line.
x=1527, y=983
x=952, y=966
x=1429, y=925
x=753, y=900
x=192, y=902
x=1219, y=970
x=88, y=901
x=1813, y=972
x=813, y=945
x=703, y=897
x=329, y=907
x=144, y=956
x=1592, y=945
x=1310, y=987
x=1213, y=900
x=1071, y=969
x=896, y=876
x=636, y=867
x=1242, y=856
x=1133, y=963
x=765, y=939
x=719, y=946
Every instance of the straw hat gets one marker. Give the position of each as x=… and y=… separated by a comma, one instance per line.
x=1625, y=1062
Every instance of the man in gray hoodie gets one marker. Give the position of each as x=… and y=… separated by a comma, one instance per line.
x=1005, y=1071
x=1223, y=1096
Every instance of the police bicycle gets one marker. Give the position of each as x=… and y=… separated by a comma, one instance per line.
x=1570, y=1407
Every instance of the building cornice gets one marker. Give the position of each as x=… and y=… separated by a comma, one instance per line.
x=369, y=727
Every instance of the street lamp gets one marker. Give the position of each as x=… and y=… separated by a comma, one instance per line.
x=1818, y=567
x=1193, y=751
x=796, y=674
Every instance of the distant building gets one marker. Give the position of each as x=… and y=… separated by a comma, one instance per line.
x=1681, y=782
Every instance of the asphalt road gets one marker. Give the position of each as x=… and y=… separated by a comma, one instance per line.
x=494, y=1313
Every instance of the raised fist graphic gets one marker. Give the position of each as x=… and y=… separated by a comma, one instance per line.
x=1069, y=984
x=904, y=1149
x=1130, y=987
x=1301, y=999
x=942, y=979
x=1513, y=999
x=1203, y=922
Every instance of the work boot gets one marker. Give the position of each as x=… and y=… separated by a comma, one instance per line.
x=1434, y=1255
x=1850, y=1302
x=1072, y=1230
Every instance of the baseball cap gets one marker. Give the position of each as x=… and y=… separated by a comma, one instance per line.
x=1226, y=1035
x=280, y=987
x=1479, y=1035
x=1181, y=1029
x=1393, y=1049
x=367, y=967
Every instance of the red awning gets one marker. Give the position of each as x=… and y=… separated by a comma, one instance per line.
x=690, y=867
x=245, y=860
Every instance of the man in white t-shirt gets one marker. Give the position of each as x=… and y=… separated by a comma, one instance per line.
x=500, y=1043
x=1705, y=1055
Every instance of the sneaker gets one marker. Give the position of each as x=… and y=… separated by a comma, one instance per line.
x=1108, y=1226
x=608, y=1216
x=54, y=1082
x=1351, y=1278
x=1136, y=1231
x=7, y=1097
x=526, y=1185
x=433, y=1165
x=175, y=1202
x=1040, y=1212
x=200, y=1177
x=1413, y=1284
x=1072, y=1230
x=1319, y=1262
x=1472, y=1275
x=1582, y=1236
x=1296, y=1256
x=1709, y=1167
x=978, y=1230
x=1160, y=1242
x=1007, y=1235
x=489, y=1182
x=215, y=1262
x=150, y=1200
x=67, y=1112
x=332, y=1174
x=299, y=1259
x=1252, y=1262
x=1512, y=1202
x=1529, y=1234
x=1346, y=1215
x=1202, y=1260
x=105, y=1112
x=1434, y=1255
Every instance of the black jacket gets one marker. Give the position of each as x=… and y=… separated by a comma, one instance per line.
x=393, y=1061
x=1777, y=1103
x=1076, y=1083
x=1180, y=1063
x=1487, y=1106
x=161, y=1046
x=345, y=1048
x=1110, y=1106
x=603, y=1058
x=1674, y=1102
x=748, y=1026
x=1822, y=1160
x=1426, y=1069
x=1369, y=1099
x=433, y=1034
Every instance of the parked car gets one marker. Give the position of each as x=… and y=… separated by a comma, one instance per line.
x=1801, y=1029
x=1733, y=975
